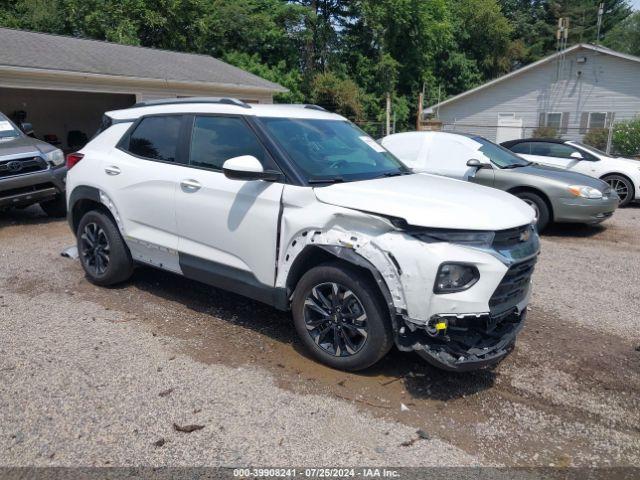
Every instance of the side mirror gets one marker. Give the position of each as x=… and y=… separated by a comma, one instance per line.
x=475, y=163
x=576, y=156
x=247, y=167
x=27, y=128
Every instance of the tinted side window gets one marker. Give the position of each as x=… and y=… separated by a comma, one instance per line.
x=156, y=138
x=524, y=148
x=559, y=150
x=215, y=140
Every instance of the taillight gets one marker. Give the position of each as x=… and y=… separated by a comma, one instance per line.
x=73, y=158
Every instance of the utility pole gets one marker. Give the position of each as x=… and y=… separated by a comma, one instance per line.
x=420, y=109
x=600, y=15
x=388, y=125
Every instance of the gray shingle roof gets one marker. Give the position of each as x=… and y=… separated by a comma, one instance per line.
x=55, y=52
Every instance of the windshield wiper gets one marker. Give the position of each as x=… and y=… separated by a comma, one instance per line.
x=517, y=165
x=326, y=180
x=393, y=174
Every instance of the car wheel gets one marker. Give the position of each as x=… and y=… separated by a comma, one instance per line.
x=103, y=254
x=622, y=186
x=538, y=204
x=56, y=207
x=338, y=315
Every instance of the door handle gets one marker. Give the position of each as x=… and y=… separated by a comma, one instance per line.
x=190, y=186
x=112, y=170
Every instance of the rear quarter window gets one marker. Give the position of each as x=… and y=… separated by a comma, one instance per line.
x=156, y=138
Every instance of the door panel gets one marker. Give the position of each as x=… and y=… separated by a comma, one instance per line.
x=230, y=222
x=144, y=193
x=483, y=176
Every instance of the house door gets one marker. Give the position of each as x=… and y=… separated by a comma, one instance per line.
x=509, y=128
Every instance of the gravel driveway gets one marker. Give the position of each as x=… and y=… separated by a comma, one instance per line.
x=95, y=377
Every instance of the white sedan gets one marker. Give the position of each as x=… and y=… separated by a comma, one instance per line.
x=622, y=174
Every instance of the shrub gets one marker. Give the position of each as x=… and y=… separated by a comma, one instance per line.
x=597, y=137
x=626, y=137
x=545, y=132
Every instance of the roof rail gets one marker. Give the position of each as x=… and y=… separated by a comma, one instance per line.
x=178, y=101
x=315, y=107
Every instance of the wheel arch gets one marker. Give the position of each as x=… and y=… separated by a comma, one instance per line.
x=82, y=200
x=314, y=255
x=540, y=193
x=627, y=177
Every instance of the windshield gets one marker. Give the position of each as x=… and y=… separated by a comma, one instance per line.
x=7, y=130
x=591, y=149
x=500, y=156
x=332, y=150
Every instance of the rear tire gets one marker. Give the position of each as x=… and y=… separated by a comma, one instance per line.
x=56, y=207
x=340, y=318
x=535, y=201
x=104, y=256
x=623, y=187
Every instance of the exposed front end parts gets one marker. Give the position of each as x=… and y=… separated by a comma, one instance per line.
x=465, y=342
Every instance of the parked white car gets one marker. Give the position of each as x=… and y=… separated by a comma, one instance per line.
x=622, y=174
x=556, y=195
x=298, y=208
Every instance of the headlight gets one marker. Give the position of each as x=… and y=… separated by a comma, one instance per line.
x=55, y=157
x=585, y=192
x=461, y=237
x=455, y=277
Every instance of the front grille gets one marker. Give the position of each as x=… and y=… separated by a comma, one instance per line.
x=20, y=166
x=508, y=238
x=513, y=287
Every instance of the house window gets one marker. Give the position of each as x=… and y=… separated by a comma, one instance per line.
x=597, y=120
x=554, y=120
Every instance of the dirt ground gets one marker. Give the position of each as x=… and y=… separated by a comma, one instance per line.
x=569, y=395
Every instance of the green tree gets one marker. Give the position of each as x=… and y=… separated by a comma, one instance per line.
x=625, y=37
x=484, y=34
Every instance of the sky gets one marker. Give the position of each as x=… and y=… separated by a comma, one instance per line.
x=635, y=4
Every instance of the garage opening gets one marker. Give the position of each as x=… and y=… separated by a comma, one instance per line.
x=64, y=119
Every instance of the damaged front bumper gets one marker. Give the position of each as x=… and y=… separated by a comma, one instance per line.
x=464, y=343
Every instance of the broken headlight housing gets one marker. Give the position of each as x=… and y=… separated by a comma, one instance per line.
x=460, y=237
x=455, y=277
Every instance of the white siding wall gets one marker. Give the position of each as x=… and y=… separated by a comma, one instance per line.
x=605, y=84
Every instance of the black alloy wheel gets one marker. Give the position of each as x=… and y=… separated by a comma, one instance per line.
x=335, y=319
x=95, y=248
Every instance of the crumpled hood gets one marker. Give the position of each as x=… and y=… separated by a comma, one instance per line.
x=431, y=201
x=23, y=146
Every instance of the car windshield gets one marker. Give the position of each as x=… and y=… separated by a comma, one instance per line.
x=591, y=149
x=500, y=156
x=7, y=130
x=329, y=151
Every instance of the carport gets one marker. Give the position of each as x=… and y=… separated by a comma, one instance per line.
x=65, y=84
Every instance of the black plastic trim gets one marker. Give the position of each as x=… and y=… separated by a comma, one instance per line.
x=231, y=279
x=81, y=192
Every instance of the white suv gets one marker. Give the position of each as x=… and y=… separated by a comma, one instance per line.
x=296, y=207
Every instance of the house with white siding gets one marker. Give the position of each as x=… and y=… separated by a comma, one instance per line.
x=573, y=91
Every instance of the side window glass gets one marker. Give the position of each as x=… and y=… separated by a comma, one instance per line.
x=215, y=140
x=558, y=150
x=156, y=138
x=523, y=148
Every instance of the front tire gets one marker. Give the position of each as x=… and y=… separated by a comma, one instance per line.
x=535, y=201
x=340, y=318
x=623, y=187
x=56, y=207
x=104, y=256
